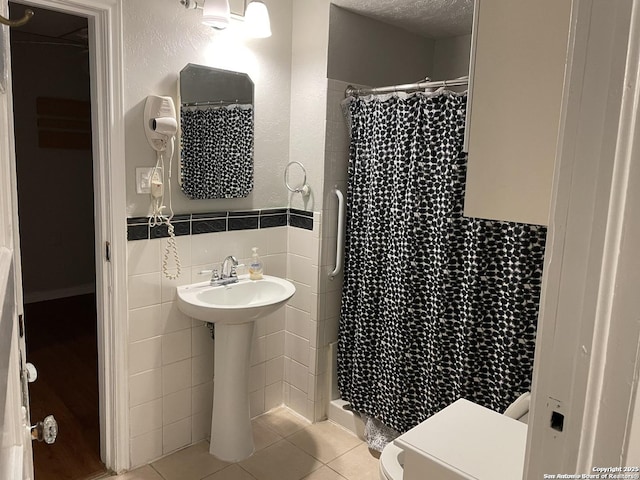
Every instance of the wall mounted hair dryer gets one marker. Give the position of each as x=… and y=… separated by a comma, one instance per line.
x=160, y=127
x=160, y=122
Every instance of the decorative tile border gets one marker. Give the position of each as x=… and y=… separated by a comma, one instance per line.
x=301, y=219
x=193, y=224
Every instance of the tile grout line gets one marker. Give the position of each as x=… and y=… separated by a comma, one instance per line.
x=245, y=470
x=156, y=470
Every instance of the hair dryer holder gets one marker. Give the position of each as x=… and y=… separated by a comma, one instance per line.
x=159, y=121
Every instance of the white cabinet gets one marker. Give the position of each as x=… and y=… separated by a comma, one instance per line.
x=518, y=66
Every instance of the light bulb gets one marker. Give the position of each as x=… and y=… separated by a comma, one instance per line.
x=256, y=18
x=216, y=13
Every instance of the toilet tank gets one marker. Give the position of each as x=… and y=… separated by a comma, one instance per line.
x=465, y=441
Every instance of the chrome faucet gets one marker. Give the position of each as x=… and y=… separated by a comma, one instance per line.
x=228, y=271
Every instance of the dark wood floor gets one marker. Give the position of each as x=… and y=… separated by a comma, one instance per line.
x=61, y=344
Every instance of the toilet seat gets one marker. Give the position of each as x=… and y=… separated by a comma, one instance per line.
x=391, y=461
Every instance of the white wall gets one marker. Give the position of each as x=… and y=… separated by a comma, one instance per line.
x=451, y=57
x=304, y=369
x=308, y=96
x=369, y=52
x=160, y=38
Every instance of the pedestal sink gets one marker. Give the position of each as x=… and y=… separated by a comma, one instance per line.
x=234, y=309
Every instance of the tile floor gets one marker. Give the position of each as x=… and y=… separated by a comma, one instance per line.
x=287, y=448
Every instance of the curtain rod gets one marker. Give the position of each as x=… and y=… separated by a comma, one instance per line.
x=220, y=103
x=353, y=91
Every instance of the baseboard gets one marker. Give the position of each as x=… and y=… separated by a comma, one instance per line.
x=44, y=295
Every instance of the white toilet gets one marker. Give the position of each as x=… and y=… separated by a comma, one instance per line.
x=462, y=441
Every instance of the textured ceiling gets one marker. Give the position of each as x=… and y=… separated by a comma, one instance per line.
x=429, y=18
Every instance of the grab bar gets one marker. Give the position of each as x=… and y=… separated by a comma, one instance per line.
x=340, y=235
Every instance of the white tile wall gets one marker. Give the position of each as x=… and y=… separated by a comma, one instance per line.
x=144, y=290
x=201, y=425
x=326, y=297
x=274, y=345
x=176, y=346
x=274, y=370
x=202, y=397
x=273, y=395
x=146, y=447
x=301, y=329
x=176, y=435
x=297, y=348
x=171, y=355
x=145, y=387
x=176, y=406
x=176, y=376
x=145, y=355
x=298, y=322
x=145, y=417
x=143, y=323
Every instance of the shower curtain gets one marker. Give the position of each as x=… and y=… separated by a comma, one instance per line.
x=435, y=306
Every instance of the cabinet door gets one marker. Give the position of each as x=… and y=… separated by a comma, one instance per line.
x=519, y=56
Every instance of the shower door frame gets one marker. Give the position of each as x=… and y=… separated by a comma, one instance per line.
x=107, y=119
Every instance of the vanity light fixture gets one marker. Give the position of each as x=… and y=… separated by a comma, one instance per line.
x=256, y=17
x=216, y=13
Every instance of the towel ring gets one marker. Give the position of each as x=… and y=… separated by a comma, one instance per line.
x=304, y=189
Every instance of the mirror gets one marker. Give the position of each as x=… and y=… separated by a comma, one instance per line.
x=216, y=124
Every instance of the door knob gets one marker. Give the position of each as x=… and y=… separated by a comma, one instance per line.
x=45, y=431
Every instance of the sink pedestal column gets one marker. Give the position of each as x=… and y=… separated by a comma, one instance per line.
x=231, y=433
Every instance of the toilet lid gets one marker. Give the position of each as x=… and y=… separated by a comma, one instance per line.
x=390, y=461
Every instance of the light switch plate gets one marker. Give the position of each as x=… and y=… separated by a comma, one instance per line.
x=143, y=179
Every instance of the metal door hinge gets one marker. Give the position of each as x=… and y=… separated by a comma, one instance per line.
x=107, y=251
x=32, y=372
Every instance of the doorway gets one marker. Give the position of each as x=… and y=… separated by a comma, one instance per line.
x=54, y=164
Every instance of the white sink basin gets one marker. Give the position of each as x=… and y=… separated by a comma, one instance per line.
x=240, y=302
x=233, y=308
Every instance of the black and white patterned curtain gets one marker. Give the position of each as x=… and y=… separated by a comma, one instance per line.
x=216, y=155
x=435, y=306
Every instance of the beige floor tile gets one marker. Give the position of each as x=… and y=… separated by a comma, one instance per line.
x=192, y=463
x=263, y=436
x=232, y=472
x=325, y=473
x=356, y=464
x=282, y=421
x=280, y=461
x=325, y=441
x=142, y=473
